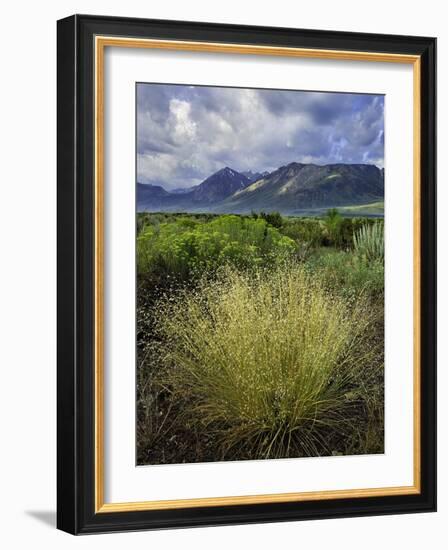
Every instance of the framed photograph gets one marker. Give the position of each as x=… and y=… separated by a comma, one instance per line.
x=246, y=274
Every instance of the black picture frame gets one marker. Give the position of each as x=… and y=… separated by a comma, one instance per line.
x=76, y=512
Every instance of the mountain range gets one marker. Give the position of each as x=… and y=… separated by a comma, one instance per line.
x=291, y=189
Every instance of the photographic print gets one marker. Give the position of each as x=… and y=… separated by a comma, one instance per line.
x=260, y=273
x=223, y=302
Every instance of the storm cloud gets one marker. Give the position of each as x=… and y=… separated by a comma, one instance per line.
x=185, y=133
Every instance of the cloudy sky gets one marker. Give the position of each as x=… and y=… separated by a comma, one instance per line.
x=185, y=133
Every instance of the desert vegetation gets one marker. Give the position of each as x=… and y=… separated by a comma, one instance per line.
x=258, y=336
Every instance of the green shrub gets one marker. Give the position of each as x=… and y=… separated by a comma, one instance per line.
x=305, y=231
x=333, y=224
x=186, y=247
x=267, y=361
x=332, y=230
x=346, y=273
x=272, y=218
x=369, y=242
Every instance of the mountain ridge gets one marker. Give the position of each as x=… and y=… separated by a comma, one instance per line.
x=291, y=188
x=218, y=186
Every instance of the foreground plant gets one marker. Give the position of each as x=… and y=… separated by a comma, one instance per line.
x=269, y=364
x=369, y=242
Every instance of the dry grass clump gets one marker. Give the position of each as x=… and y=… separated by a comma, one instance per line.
x=268, y=362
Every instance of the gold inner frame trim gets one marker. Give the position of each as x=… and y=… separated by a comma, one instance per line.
x=101, y=42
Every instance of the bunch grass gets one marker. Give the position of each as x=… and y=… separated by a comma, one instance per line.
x=268, y=361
